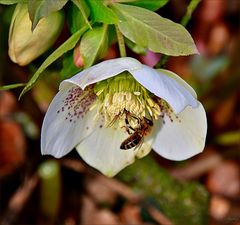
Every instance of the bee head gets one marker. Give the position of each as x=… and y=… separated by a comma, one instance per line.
x=149, y=122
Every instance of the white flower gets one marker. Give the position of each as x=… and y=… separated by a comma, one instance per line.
x=98, y=109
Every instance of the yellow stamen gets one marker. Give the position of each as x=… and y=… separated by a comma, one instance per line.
x=122, y=94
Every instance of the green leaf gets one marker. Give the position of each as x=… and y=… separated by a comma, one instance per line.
x=154, y=32
x=75, y=19
x=94, y=45
x=66, y=46
x=101, y=13
x=112, y=36
x=135, y=48
x=69, y=69
x=42, y=8
x=84, y=10
x=11, y=86
x=10, y=2
x=148, y=4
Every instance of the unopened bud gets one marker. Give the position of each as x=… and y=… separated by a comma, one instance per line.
x=26, y=45
x=77, y=58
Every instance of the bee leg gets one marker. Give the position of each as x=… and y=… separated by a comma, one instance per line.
x=113, y=120
x=136, y=118
x=128, y=128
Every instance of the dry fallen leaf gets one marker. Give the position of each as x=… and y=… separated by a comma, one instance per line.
x=219, y=207
x=100, y=192
x=225, y=179
x=7, y=103
x=12, y=146
x=130, y=214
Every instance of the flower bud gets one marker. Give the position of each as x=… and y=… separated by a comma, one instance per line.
x=77, y=58
x=26, y=45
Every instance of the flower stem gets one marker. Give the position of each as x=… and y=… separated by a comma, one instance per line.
x=190, y=9
x=50, y=188
x=188, y=15
x=121, y=43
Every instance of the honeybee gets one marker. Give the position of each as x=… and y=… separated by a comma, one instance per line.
x=136, y=139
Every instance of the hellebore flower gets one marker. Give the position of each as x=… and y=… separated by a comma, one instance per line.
x=118, y=110
x=26, y=45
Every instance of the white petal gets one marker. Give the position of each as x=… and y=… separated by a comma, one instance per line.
x=179, y=140
x=102, y=71
x=63, y=127
x=102, y=150
x=165, y=87
x=179, y=80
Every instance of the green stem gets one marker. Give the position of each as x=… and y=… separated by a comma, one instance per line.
x=190, y=9
x=50, y=188
x=121, y=43
x=188, y=15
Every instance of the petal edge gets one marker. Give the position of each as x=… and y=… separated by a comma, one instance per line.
x=102, y=71
x=182, y=140
x=165, y=87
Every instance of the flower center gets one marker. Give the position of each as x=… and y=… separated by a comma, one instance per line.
x=122, y=94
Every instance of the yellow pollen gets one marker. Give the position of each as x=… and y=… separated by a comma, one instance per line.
x=122, y=94
x=137, y=93
x=99, y=92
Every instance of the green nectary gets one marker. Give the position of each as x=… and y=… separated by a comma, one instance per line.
x=123, y=82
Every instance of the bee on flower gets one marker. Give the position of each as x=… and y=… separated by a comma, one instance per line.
x=118, y=110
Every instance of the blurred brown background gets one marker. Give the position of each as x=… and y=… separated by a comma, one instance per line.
x=37, y=189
